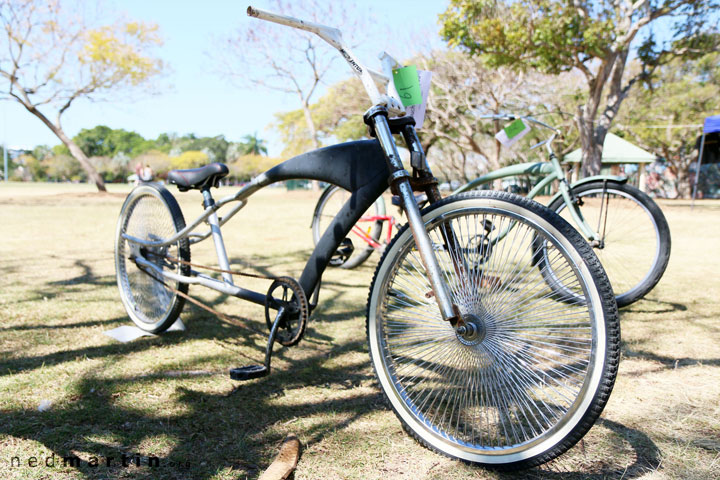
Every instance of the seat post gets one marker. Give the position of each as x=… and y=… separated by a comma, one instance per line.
x=212, y=220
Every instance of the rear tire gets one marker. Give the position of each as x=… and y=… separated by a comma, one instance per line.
x=150, y=212
x=329, y=204
x=537, y=372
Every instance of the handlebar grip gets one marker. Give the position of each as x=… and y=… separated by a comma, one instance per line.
x=331, y=35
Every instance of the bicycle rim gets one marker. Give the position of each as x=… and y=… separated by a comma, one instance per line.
x=147, y=299
x=528, y=387
x=634, y=252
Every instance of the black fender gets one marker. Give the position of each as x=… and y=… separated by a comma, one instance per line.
x=359, y=167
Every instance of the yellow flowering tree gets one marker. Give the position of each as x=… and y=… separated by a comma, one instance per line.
x=51, y=56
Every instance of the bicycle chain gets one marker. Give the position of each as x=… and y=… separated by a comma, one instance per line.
x=304, y=306
x=198, y=303
x=219, y=270
x=235, y=272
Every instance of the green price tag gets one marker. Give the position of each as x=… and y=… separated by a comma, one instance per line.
x=514, y=128
x=407, y=85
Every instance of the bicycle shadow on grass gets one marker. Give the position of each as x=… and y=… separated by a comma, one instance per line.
x=651, y=305
x=667, y=362
x=627, y=443
x=196, y=434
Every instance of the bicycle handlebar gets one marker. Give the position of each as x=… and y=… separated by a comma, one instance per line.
x=547, y=142
x=333, y=36
x=507, y=116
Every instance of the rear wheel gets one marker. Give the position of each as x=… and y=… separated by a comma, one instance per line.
x=150, y=212
x=530, y=374
x=354, y=249
x=634, y=247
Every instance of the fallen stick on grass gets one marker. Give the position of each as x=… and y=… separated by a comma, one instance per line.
x=286, y=460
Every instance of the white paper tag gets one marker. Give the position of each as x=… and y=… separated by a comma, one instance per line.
x=509, y=135
x=418, y=111
x=128, y=333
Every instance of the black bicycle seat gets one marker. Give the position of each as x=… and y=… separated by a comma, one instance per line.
x=200, y=178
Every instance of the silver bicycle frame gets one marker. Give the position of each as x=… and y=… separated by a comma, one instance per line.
x=391, y=155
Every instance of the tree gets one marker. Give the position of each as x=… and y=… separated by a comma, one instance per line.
x=595, y=37
x=682, y=93
x=252, y=145
x=108, y=142
x=159, y=162
x=284, y=59
x=64, y=168
x=246, y=167
x=463, y=89
x=460, y=144
x=189, y=159
x=53, y=57
x=336, y=115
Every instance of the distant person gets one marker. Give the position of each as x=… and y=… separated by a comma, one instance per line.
x=138, y=172
x=146, y=174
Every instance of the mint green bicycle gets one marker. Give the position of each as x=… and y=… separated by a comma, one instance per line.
x=625, y=227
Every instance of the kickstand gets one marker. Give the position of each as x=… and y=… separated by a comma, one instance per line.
x=257, y=371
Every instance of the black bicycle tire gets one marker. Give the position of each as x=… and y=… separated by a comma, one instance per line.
x=658, y=219
x=162, y=194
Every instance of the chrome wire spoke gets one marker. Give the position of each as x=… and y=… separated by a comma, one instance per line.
x=526, y=373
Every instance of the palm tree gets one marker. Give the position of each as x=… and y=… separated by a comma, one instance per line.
x=254, y=145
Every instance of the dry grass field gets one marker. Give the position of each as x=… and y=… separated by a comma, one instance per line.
x=170, y=397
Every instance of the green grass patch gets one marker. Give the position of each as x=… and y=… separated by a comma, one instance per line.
x=169, y=397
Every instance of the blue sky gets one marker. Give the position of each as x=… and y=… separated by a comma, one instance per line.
x=193, y=97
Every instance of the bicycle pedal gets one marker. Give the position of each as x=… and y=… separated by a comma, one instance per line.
x=249, y=372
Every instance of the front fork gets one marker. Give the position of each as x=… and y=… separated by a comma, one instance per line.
x=399, y=180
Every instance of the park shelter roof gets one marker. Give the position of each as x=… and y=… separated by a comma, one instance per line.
x=712, y=124
x=616, y=150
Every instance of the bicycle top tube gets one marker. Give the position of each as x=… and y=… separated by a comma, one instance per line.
x=333, y=36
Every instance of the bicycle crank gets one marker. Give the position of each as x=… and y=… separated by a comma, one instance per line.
x=287, y=328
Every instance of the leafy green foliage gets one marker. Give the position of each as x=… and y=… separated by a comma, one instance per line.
x=595, y=37
x=104, y=141
x=53, y=55
x=253, y=145
x=114, y=154
x=248, y=166
x=683, y=92
x=64, y=168
x=189, y=159
x=548, y=35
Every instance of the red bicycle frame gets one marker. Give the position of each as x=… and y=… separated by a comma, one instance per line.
x=366, y=237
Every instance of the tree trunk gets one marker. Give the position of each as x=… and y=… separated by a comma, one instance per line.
x=313, y=134
x=591, y=141
x=75, y=151
x=80, y=156
x=495, y=163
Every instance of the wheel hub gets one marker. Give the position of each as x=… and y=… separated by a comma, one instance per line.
x=473, y=331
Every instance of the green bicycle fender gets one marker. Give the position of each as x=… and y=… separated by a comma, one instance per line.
x=594, y=178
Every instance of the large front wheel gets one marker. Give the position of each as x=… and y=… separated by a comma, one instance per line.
x=531, y=373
